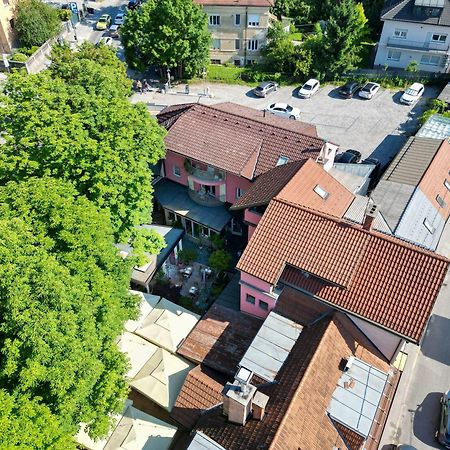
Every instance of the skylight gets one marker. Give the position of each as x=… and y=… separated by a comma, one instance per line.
x=321, y=192
x=282, y=160
x=429, y=226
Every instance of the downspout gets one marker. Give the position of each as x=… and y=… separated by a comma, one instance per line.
x=245, y=35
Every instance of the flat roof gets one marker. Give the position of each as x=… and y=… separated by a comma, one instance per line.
x=437, y=126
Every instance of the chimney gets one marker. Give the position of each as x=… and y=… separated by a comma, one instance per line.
x=259, y=405
x=371, y=213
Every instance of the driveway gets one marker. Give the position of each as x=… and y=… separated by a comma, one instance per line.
x=375, y=127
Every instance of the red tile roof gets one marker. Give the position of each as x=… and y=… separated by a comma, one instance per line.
x=220, y=339
x=369, y=274
x=238, y=144
x=296, y=415
x=268, y=3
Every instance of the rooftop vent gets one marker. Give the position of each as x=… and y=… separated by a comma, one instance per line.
x=371, y=213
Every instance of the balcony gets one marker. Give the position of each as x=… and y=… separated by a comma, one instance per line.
x=211, y=174
x=203, y=198
x=435, y=47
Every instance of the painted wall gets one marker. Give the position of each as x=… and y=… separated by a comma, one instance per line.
x=385, y=341
x=251, y=230
x=258, y=289
x=172, y=159
x=252, y=217
x=6, y=32
x=417, y=33
x=234, y=182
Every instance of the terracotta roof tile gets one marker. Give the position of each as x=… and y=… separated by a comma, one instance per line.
x=220, y=339
x=374, y=276
x=233, y=142
x=296, y=411
x=202, y=389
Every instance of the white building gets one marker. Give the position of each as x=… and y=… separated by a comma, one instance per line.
x=415, y=30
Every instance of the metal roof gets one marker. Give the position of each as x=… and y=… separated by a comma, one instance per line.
x=405, y=11
x=355, y=177
x=202, y=442
x=271, y=346
x=437, y=126
x=412, y=161
x=445, y=94
x=355, y=401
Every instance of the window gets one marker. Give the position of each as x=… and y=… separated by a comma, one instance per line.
x=400, y=34
x=237, y=19
x=263, y=305
x=394, y=55
x=237, y=62
x=239, y=192
x=215, y=44
x=252, y=45
x=321, y=192
x=430, y=60
x=250, y=299
x=429, y=226
x=447, y=184
x=282, y=160
x=237, y=44
x=214, y=61
x=176, y=171
x=253, y=20
x=441, y=201
x=214, y=20
x=441, y=38
x=171, y=216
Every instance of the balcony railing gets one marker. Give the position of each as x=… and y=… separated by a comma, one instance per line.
x=417, y=45
x=211, y=174
x=203, y=198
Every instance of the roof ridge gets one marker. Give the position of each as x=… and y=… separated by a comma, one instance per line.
x=374, y=233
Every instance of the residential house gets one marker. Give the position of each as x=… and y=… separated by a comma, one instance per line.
x=214, y=153
x=238, y=29
x=7, y=26
x=414, y=193
x=415, y=30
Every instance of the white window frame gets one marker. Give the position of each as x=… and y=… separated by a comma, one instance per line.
x=214, y=20
x=429, y=226
x=252, y=45
x=176, y=170
x=440, y=201
x=439, y=40
x=253, y=20
x=237, y=23
x=391, y=53
x=321, y=192
x=239, y=192
x=430, y=58
x=400, y=33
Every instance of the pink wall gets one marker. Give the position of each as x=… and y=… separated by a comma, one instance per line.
x=252, y=217
x=255, y=289
x=251, y=230
x=234, y=182
x=172, y=159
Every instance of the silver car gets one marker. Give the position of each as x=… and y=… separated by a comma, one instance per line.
x=284, y=110
x=265, y=88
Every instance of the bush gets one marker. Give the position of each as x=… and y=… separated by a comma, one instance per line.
x=220, y=260
x=36, y=22
x=217, y=241
x=19, y=57
x=64, y=14
x=187, y=255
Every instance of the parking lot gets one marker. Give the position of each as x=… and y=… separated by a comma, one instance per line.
x=376, y=127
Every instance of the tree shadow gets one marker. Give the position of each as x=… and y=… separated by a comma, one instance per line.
x=425, y=419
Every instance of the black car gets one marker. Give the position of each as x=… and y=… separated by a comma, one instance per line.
x=443, y=432
x=348, y=157
x=349, y=89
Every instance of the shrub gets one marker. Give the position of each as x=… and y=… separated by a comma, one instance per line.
x=220, y=260
x=19, y=57
x=217, y=241
x=187, y=255
x=64, y=14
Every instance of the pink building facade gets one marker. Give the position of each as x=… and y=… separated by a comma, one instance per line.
x=257, y=296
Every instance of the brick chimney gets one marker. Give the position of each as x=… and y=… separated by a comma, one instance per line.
x=237, y=402
x=259, y=405
x=371, y=213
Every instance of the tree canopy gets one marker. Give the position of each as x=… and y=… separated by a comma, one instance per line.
x=76, y=123
x=35, y=22
x=170, y=34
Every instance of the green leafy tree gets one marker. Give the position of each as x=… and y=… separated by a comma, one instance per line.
x=412, y=67
x=28, y=424
x=187, y=255
x=36, y=22
x=71, y=127
x=220, y=260
x=170, y=34
x=63, y=301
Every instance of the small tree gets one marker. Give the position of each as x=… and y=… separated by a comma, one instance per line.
x=412, y=67
x=187, y=255
x=36, y=22
x=220, y=260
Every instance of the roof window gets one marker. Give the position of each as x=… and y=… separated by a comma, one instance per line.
x=441, y=201
x=282, y=160
x=429, y=226
x=321, y=192
x=447, y=184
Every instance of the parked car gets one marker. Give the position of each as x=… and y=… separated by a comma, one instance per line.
x=132, y=4
x=104, y=22
x=105, y=40
x=349, y=89
x=265, y=88
x=369, y=90
x=348, y=157
x=443, y=432
x=412, y=94
x=404, y=447
x=119, y=19
x=309, y=88
x=114, y=31
x=284, y=110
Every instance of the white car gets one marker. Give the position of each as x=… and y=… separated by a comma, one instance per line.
x=119, y=19
x=369, y=90
x=284, y=110
x=309, y=88
x=412, y=94
x=105, y=41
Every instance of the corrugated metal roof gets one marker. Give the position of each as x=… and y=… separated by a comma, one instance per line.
x=203, y=442
x=437, y=126
x=412, y=161
x=271, y=346
x=355, y=401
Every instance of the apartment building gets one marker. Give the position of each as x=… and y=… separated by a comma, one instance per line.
x=415, y=30
x=238, y=29
x=7, y=25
